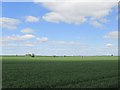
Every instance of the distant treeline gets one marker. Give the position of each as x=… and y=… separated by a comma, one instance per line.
x=33, y=55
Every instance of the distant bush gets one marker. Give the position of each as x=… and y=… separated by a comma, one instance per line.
x=112, y=55
x=54, y=56
x=27, y=54
x=33, y=55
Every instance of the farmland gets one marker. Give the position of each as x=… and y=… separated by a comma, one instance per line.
x=60, y=72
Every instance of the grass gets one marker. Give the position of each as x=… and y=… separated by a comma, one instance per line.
x=60, y=72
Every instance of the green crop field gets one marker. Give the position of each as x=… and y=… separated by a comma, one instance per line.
x=60, y=72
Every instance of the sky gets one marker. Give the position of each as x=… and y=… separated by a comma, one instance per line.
x=59, y=28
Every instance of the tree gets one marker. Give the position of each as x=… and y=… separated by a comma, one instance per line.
x=54, y=56
x=28, y=55
x=33, y=55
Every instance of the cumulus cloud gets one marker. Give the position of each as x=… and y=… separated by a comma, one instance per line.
x=9, y=23
x=17, y=37
x=55, y=17
x=27, y=36
x=22, y=40
x=15, y=44
x=64, y=43
x=28, y=44
x=27, y=30
x=96, y=24
x=7, y=44
x=32, y=19
x=42, y=39
x=78, y=12
x=109, y=45
x=112, y=35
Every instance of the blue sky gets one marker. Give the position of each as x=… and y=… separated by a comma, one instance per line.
x=59, y=28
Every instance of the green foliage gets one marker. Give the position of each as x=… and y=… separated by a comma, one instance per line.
x=62, y=72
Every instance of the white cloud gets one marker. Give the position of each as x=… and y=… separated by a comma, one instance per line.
x=27, y=30
x=42, y=39
x=103, y=20
x=78, y=12
x=73, y=43
x=55, y=17
x=9, y=23
x=32, y=19
x=96, y=24
x=17, y=37
x=7, y=44
x=27, y=36
x=29, y=44
x=109, y=45
x=14, y=40
x=112, y=35
x=15, y=44
x=64, y=43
